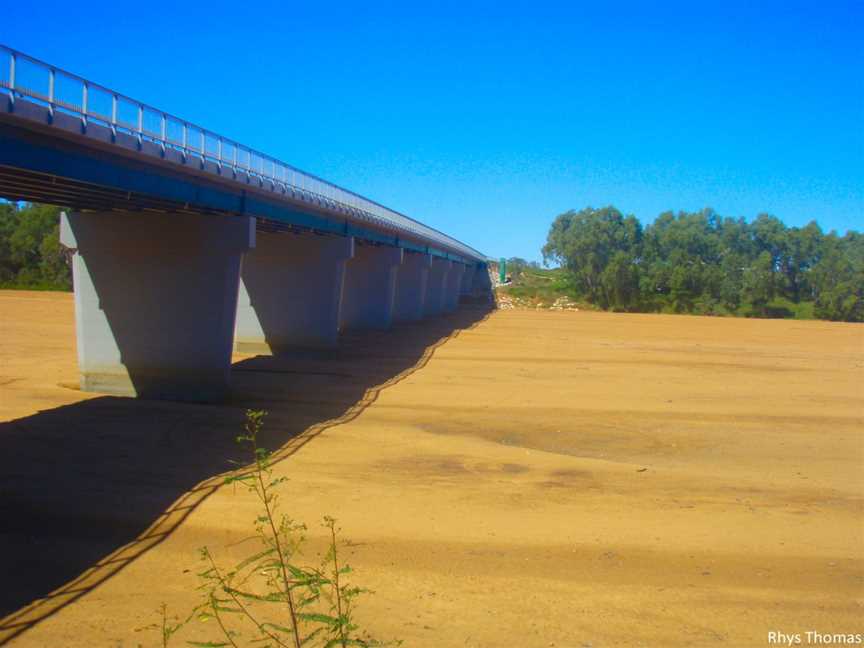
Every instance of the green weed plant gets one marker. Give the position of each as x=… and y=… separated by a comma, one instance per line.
x=268, y=599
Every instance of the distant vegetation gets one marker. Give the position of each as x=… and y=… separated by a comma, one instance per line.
x=535, y=286
x=697, y=263
x=700, y=263
x=30, y=252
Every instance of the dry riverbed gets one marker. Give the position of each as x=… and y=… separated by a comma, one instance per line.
x=530, y=479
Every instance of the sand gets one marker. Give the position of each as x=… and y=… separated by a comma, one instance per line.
x=521, y=479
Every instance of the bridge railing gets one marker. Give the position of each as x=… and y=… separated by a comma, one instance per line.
x=59, y=90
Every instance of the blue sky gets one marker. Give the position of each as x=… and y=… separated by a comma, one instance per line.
x=486, y=120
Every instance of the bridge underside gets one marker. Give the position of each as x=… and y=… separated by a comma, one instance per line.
x=36, y=167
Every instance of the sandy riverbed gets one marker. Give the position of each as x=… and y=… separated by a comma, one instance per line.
x=529, y=479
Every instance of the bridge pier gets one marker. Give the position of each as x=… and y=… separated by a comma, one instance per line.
x=155, y=301
x=436, y=287
x=411, y=287
x=482, y=285
x=454, y=287
x=467, y=286
x=291, y=292
x=369, y=292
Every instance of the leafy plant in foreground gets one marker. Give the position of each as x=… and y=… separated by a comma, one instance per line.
x=268, y=599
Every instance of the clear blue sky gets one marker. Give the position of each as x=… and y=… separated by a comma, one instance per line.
x=486, y=120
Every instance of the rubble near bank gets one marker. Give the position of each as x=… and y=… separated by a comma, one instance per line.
x=509, y=302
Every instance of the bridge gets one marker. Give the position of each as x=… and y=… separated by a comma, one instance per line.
x=187, y=244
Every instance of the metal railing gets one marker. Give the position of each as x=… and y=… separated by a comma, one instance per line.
x=59, y=90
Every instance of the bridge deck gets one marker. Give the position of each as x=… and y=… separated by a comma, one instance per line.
x=68, y=141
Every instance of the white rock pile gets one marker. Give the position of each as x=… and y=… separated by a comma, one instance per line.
x=563, y=303
x=508, y=302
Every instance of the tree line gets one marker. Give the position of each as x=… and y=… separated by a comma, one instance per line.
x=30, y=252
x=683, y=262
x=703, y=263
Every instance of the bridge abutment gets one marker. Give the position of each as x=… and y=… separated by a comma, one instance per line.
x=411, y=287
x=291, y=292
x=369, y=293
x=156, y=300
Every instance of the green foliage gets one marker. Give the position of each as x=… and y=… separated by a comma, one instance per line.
x=597, y=246
x=517, y=266
x=30, y=252
x=543, y=286
x=704, y=264
x=268, y=598
x=840, y=276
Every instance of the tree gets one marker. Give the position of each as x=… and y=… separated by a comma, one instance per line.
x=698, y=262
x=758, y=288
x=839, y=278
x=620, y=281
x=587, y=241
x=8, y=222
x=681, y=256
x=30, y=251
x=802, y=250
x=516, y=266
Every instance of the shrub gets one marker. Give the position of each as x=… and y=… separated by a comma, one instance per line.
x=268, y=598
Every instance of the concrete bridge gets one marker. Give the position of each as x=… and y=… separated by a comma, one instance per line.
x=188, y=244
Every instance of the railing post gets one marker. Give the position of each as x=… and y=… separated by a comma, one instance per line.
x=51, y=74
x=12, y=78
x=84, y=94
x=114, y=116
x=163, y=131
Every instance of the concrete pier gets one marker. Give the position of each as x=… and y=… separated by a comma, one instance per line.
x=411, y=287
x=467, y=287
x=369, y=293
x=291, y=292
x=155, y=300
x=454, y=287
x=436, y=287
x=482, y=283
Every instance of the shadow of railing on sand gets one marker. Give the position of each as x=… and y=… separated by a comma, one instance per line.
x=87, y=488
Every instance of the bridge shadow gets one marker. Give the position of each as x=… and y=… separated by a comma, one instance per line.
x=87, y=488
